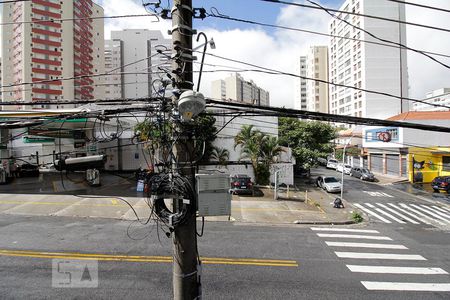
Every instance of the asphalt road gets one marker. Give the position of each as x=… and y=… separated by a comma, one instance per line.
x=390, y=204
x=240, y=261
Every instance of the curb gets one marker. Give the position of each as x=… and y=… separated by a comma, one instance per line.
x=350, y=222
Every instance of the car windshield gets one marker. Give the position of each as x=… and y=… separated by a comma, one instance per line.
x=347, y=166
x=330, y=179
x=365, y=171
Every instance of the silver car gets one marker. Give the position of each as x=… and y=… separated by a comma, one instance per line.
x=329, y=183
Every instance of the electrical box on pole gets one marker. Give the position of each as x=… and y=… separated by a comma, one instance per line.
x=213, y=194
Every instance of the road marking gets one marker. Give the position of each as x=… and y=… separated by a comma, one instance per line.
x=366, y=245
x=390, y=216
x=67, y=204
x=446, y=216
x=421, y=214
x=114, y=202
x=378, y=194
x=409, y=213
x=354, y=236
x=440, y=209
x=430, y=213
x=370, y=205
x=140, y=258
x=397, y=213
x=396, y=270
x=371, y=213
x=406, y=286
x=361, y=255
x=447, y=209
x=344, y=230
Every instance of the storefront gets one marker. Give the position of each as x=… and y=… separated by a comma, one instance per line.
x=428, y=163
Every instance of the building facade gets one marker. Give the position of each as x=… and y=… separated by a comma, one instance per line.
x=356, y=64
x=140, y=62
x=236, y=88
x=113, y=65
x=39, y=50
x=300, y=85
x=440, y=96
x=317, y=68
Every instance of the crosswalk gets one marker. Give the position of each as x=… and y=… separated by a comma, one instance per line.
x=402, y=213
x=367, y=252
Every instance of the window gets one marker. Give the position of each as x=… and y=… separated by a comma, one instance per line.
x=445, y=163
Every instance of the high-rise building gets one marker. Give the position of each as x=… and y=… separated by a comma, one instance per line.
x=368, y=66
x=38, y=47
x=235, y=88
x=113, y=65
x=440, y=96
x=140, y=60
x=317, y=68
x=300, y=85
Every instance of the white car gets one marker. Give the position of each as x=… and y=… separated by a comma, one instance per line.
x=332, y=164
x=347, y=168
x=329, y=183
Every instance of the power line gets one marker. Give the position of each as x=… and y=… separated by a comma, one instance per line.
x=317, y=33
x=358, y=14
x=421, y=5
x=378, y=38
x=286, y=112
x=273, y=71
x=77, y=19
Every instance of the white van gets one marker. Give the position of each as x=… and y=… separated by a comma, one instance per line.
x=332, y=164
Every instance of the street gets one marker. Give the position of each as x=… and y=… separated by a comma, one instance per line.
x=253, y=262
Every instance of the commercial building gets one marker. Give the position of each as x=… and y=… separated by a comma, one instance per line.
x=440, y=97
x=357, y=64
x=300, y=85
x=39, y=49
x=317, y=68
x=419, y=155
x=132, y=53
x=236, y=88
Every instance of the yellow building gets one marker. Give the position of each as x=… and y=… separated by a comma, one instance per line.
x=428, y=163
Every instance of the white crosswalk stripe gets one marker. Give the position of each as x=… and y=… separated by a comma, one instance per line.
x=446, y=216
x=440, y=209
x=410, y=214
x=397, y=271
x=344, y=230
x=370, y=212
x=447, y=209
x=390, y=216
x=364, y=255
x=427, y=211
x=421, y=214
x=354, y=236
x=365, y=245
x=397, y=213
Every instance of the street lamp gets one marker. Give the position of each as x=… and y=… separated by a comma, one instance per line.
x=205, y=45
x=343, y=163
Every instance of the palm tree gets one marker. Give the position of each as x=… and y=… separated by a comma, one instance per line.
x=270, y=149
x=247, y=133
x=220, y=154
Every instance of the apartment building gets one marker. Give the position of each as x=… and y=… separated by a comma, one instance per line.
x=132, y=53
x=357, y=64
x=317, y=68
x=236, y=88
x=440, y=97
x=300, y=85
x=41, y=50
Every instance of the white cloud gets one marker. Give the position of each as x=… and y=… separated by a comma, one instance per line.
x=280, y=49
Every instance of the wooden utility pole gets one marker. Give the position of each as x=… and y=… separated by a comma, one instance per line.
x=186, y=283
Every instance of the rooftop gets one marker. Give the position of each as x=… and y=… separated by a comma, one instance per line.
x=422, y=115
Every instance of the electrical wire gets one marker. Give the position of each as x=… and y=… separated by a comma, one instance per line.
x=421, y=5
x=359, y=14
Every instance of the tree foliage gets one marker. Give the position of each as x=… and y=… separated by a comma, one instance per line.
x=261, y=149
x=308, y=140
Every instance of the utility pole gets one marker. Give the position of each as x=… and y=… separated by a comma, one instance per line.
x=186, y=283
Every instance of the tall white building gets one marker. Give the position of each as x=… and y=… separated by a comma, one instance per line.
x=236, y=88
x=368, y=66
x=440, y=96
x=36, y=49
x=113, y=65
x=317, y=68
x=300, y=85
x=139, y=59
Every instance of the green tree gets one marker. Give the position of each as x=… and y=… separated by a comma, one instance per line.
x=222, y=155
x=308, y=140
x=260, y=149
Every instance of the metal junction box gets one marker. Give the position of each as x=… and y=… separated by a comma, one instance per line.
x=214, y=198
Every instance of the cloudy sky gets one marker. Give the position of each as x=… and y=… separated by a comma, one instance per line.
x=280, y=49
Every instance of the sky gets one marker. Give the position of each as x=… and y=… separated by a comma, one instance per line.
x=280, y=49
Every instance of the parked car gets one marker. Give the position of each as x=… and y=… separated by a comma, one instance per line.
x=441, y=183
x=346, y=168
x=332, y=164
x=322, y=161
x=329, y=183
x=28, y=170
x=362, y=173
x=241, y=184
